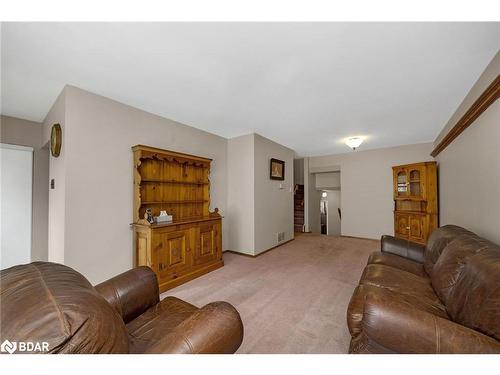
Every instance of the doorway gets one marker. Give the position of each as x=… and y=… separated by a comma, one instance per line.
x=330, y=213
x=16, y=204
x=298, y=208
x=323, y=213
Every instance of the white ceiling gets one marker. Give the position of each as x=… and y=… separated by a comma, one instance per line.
x=304, y=85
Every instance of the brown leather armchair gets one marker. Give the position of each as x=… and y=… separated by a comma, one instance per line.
x=52, y=303
x=440, y=298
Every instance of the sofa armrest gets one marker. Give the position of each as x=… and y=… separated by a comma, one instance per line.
x=216, y=328
x=403, y=248
x=404, y=329
x=132, y=292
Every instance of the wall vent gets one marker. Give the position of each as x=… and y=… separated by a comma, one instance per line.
x=281, y=236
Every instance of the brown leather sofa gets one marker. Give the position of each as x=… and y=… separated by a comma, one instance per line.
x=52, y=303
x=440, y=298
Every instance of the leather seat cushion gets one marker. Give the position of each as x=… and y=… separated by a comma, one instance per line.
x=398, y=262
x=398, y=281
x=157, y=322
x=396, y=285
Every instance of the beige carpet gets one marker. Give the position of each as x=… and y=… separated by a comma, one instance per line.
x=292, y=299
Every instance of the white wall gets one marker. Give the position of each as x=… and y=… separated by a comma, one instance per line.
x=469, y=168
x=298, y=171
x=273, y=198
x=16, y=166
x=98, y=134
x=240, y=194
x=258, y=207
x=57, y=171
x=366, y=179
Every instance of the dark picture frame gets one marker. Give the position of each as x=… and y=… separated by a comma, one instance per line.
x=277, y=170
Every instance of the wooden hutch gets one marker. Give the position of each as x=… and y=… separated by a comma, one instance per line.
x=190, y=245
x=415, y=201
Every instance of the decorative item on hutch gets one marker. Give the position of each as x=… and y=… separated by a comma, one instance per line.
x=415, y=201
x=189, y=243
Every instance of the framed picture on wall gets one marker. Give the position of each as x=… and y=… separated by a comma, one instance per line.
x=277, y=170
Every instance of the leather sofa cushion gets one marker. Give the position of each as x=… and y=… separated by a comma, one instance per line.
x=398, y=281
x=356, y=305
x=398, y=262
x=475, y=300
x=49, y=302
x=397, y=285
x=437, y=241
x=157, y=322
x=390, y=325
x=450, y=264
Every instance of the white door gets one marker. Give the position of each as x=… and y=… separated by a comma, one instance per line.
x=16, y=174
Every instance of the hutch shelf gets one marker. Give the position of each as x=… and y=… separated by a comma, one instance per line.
x=415, y=201
x=190, y=245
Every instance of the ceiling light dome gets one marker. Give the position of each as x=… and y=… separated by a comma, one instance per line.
x=354, y=142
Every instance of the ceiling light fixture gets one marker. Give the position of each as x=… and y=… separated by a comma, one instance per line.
x=354, y=142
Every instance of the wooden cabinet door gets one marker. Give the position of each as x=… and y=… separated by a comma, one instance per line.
x=208, y=244
x=417, y=228
x=401, y=225
x=172, y=252
x=416, y=181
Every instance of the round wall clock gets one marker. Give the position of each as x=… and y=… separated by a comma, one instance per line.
x=55, y=140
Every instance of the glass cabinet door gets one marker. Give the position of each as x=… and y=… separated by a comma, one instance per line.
x=416, y=178
x=402, y=183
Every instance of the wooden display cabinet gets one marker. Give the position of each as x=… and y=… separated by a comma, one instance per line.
x=190, y=245
x=415, y=201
